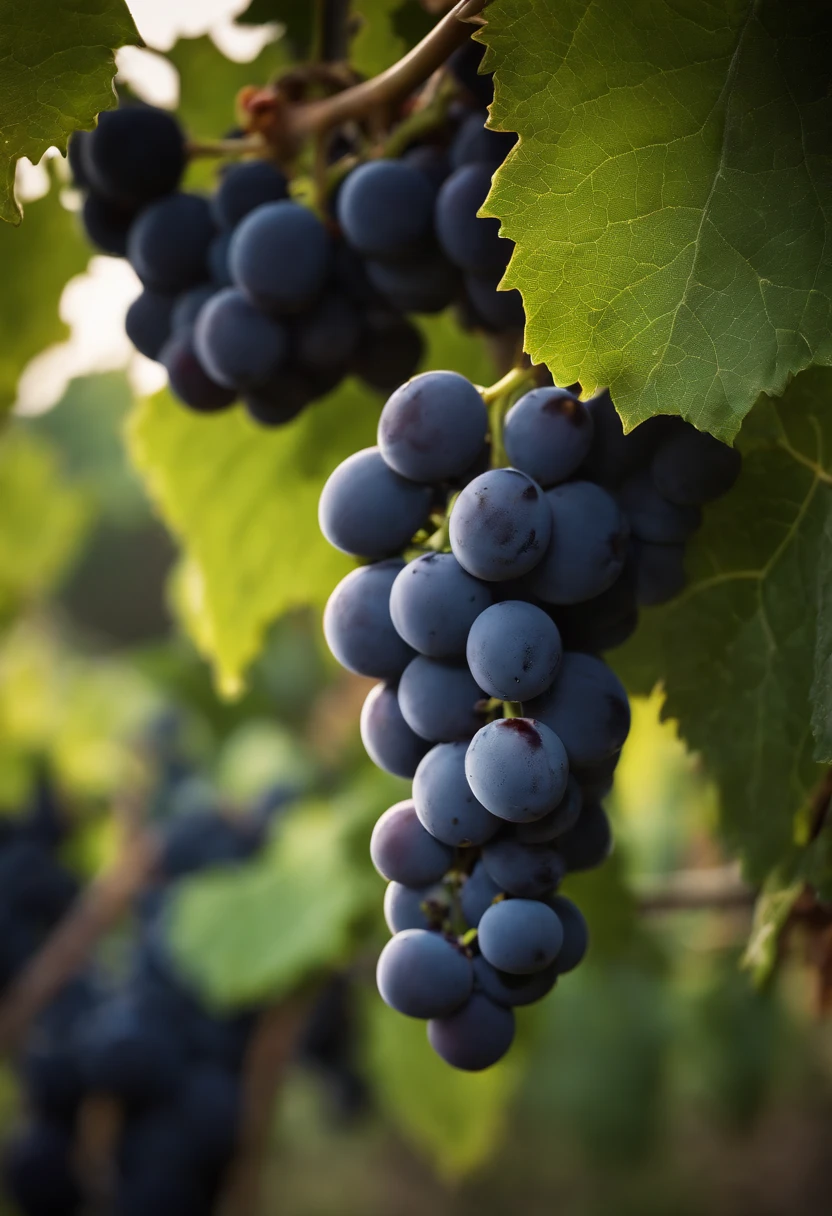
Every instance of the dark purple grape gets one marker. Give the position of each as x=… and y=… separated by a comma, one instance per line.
x=500, y=525
x=402, y=851
x=520, y=936
x=434, y=603
x=528, y=871
x=548, y=434
x=475, y=1037
x=387, y=739
x=444, y=801
x=514, y=650
x=423, y=975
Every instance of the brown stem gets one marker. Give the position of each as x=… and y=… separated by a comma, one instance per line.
x=720, y=888
x=390, y=86
x=268, y=1057
x=70, y=945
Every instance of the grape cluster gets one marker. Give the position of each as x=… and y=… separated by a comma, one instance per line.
x=147, y=1043
x=251, y=296
x=488, y=596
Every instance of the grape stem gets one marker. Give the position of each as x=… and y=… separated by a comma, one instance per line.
x=247, y=145
x=390, y=86
x=498, y=398
x=512, y=709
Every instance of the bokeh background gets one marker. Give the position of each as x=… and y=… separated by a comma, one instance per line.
x=654, y=1080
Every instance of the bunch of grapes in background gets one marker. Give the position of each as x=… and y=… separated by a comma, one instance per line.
x=252, y=296
x=169, y=1071
x=488, y=594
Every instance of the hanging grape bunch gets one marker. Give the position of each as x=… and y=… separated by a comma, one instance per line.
x=250, y=295
x=489, y=593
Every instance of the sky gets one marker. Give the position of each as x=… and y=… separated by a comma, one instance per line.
x=93, y=305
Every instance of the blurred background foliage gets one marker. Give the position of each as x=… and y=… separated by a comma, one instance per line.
x=654, y=1080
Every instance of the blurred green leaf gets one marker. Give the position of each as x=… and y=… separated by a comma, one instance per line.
x=208, y=86
x=378, y=43
x=45, y=518
x=243, y=501
x=667, y=197
x=56, y=73
x=255, y=933
x=298, y=16
x=736, y=651
x=771, y=913
x=37, y=259
x=455, y=1119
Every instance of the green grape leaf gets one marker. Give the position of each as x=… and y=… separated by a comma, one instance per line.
x=737, y=651
x=56, y=74
x=386, y=32
x=243, y=935
x=456, y=1120
x=669, y=196
x=244, y=503
x=37, y=258
x=45, y=518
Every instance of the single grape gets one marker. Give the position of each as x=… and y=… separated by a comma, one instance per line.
x=588, y=548
x=280, y=256
x=497, y=310
x=385, y=208
x=168, y=243
x=188, y=305
x=427, y=285
x=423, y=975
x=402, y=851
x=548, y=434
x=431, y=160
x=188, y=379
x=387, y=739
x=514, y=650
x=433, y=427
x=357, y=624
x=560, y=820
x=217, y=259
x=434, y=603
x=236, y=343
x=106, y=224
x=520, y=936
x=691, y=468
x=607, y=619
x=288, y=392
x=75, y=157
x=148, y=322
x=472, y=244
x=135, y=154
x=439, y=699
x=596, y=779
x=474, y=143
x=590, y=842
x=500, y=525
x=464, y=66
x=517, y=768
x=587, y=708
x=478, y=893
x=475, y=1036
x=245, y=186
x=575, y=933
x=368, y=510
x=528, y=871
x=654, y=518
x=444, y=801
x=660, y=572
x=513, y=990
x=389, y=351
x=409, y=908
x=328, y=335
